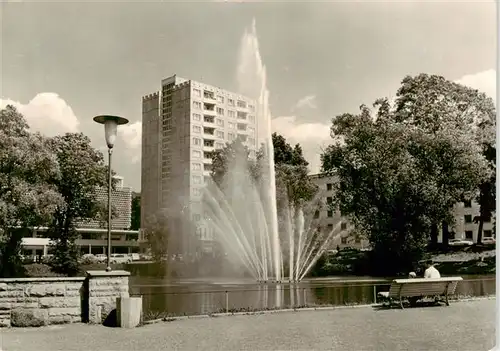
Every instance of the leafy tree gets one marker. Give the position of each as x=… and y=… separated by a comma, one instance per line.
x=81, y=171
x=223, y=158
x=27, y=196
x=396, y=178
x=292, y=182
x=429, y=101
x=136, y=211
x=285, y=154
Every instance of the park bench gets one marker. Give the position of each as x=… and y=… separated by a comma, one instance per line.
x=421, y=287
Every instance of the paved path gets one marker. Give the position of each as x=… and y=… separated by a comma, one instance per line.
x=468, y=326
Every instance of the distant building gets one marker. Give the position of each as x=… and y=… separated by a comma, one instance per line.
x=330, y=219
x=181, y=126
x=464, y=227
x=121, y=202
x=93, y=233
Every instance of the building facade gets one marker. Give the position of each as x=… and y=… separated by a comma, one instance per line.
x=183, y=124
x=93, y=233
x=463, y=228
x=330, y=219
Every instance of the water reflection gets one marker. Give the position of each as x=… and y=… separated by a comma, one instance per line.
x=188, y=297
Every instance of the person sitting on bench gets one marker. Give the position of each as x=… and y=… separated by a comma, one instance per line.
x=431, y=271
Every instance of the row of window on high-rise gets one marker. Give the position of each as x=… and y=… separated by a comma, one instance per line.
x=221, y=112
x=231, y=102
x=221, y=135
x=212, y=131
x=220, y=122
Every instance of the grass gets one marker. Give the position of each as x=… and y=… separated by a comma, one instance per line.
x=476, y=259
x=36, y=270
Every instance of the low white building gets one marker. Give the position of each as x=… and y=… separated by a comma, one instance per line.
x=93, y=233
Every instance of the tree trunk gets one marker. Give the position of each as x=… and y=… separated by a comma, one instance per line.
x=434, y=235
x=446, y=234
x=480, y=231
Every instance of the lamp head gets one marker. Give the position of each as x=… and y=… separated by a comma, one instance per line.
x=111, y=124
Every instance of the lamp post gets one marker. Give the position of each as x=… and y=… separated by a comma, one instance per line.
x=111, y=124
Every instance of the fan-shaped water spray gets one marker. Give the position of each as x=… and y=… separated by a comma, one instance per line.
x=243, y=213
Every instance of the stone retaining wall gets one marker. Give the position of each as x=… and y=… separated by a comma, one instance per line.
x=34, y=302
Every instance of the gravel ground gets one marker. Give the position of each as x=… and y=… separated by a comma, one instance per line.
x=468, y=326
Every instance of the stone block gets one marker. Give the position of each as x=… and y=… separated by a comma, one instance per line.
x=23, y=304
x=27, y=317
x=5, y=305
x=108, y=281
x=4, y=322
x=11, y=293
x=109, y=291
x=73, y=287
x=17, y=286
x=4, y=287
x=47, y=302
x=72, y=293
x=63, y=319
x=45, y=290
x=69, y=311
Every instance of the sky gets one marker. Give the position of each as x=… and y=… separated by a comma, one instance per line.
x=64, y=62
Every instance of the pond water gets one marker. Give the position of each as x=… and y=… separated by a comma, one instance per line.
x=211, y=295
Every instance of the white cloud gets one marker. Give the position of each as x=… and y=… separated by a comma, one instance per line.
x=312, y=137
x=484, y=81
x=46, y=113
x=308, y=101
x=131, y=134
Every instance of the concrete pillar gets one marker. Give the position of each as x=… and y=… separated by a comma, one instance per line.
x=128, y=311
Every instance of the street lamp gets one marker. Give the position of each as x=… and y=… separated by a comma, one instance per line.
x=111, y=124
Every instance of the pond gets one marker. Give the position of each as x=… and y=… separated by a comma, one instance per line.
x=211, y=295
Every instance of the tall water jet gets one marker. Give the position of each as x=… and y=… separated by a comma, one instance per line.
x=243, y=213
x=251, y=77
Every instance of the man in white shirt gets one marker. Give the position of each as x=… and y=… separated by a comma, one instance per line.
x=431, y=271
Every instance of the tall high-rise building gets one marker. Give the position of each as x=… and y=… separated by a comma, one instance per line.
x=182, y=125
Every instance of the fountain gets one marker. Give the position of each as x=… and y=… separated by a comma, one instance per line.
x=243, y=213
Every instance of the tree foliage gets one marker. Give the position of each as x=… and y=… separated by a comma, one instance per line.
x=28, y=196
x=223, y=158
x=292, y=182
x=81, y=172
x=432, y=101
x=401, y=170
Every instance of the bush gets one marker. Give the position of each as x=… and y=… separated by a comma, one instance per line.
x=40, y=270
x=88, y=260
